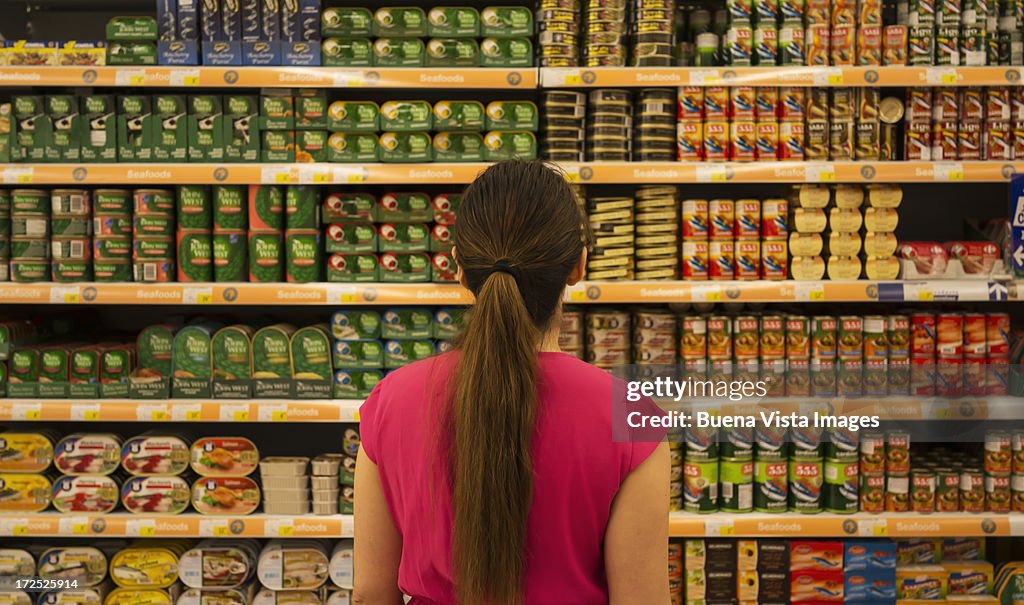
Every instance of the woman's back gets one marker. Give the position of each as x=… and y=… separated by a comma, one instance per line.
x=577, y=471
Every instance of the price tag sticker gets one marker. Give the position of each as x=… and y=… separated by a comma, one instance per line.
x=712, y=174
x=18, y=176
x=85, y=411
x=572, y=78
x=706, y=293
x=809, y=292
x=187, y=412
x=13, y=527
x=1016, y=525
x=344, y=295
x=279, y=528
x=152, y=413
x=820, y=173
x=217, y=528
x=197, y=296
x=925, y=295
x=73, y=526
x=185, y=77
x=130, y=77
x=273, y=412
x=235, y=413
x=872, y=528
x=279, y=175
x=350, y=79
x=355, y=415
x=26, y=411
x=64, y=295
x=948, y=171
x=829, y=76
x=946, y=76
x=140, y=528
x=316, y=174
x=705, y=77
x=714, y=528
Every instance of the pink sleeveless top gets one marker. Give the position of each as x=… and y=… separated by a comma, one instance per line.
x=577, y=468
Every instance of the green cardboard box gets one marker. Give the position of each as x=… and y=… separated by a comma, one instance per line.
x=241, y=115
x=205, y=128
x=132, y=28
x=33, y=129
x=311, y=109
x=65, y=145
x=171, y=128
x=278, y=146
x=277, y=109
x=98, y=128
x=136, y=128
x=311, y=146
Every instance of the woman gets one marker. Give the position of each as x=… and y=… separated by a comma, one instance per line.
x=489, y=476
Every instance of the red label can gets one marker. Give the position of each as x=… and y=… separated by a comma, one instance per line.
x=944, y=141
x=997, y=493
x=791, y=141
x=869, y=45
x=949, y=377
x=969, y=140
x=922, y=376
x=721, y=260
x=872, y=493
x=972, y=104
x=791, y=104
x=748, y=219
x=997, y=337
x=716, y=103
x=774, y=219
x=722, y=215
x=922, y=335
x=949, y=335
x=919, y=105
x=997, y=378
x=742, y=146
x=774, y=260
x=975, y=335
x=691, y=103
x=919, y=140
x=695, y=260
x=695, y=219
x=841, y=44
x=748, y=259
x=741, y=102
x=894, y=45
x=766, y=103
x=690, y=141
x=997, y=103
x=945, y=104
x=716, y=141
x=767, y=141
x=1017, y=136
x=997, y=141
x=972, y=491
x=975, y=377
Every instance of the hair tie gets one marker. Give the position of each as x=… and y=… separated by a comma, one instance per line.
x=503, y=265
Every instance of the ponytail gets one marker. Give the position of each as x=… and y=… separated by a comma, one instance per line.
x=519, y=234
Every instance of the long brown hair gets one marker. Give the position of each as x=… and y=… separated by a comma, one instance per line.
x=519, y=234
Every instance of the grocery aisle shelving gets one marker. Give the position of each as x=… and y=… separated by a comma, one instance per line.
x=189, y=525
x=826, y=525
x=179, y=410
x=291, y=294
x=442, y=173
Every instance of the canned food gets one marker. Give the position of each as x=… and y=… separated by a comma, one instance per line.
x=949, y=330
x=771, y=486
x=997, y=334
x=745, y=338
x=997, y=493
x=1017, y=493
x=737, y=485
x=823, y=337
x=73, y=202
x=805, y=486
x=722, y=215
x=872, y=453
x=721, y=260
x=998, y=453
x=897, y=336
x=695, y=219
x=153, y=201
x=693, y=337
x=922, y=491
x=702, y=443
x=922, y=335
x=972, y=490
x=872, y=493
x=850, y=342
x=947, y=491
x=715, y=141
x=841, y=487
x=770, y=443
x=700, y=486
x=1017, y=445
x=897, y=493
x=897, y=452
x=695, y=260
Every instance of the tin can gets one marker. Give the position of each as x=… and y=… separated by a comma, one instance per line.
x=841, y=487
x=739, y=45
x=701, y=443
x=771, y=486
x=923, y=377
x=722, y=217
x=850, y=333
x=695, y=219
x=742, y=141
x=897, y=336
x=774, y=219
x=791, y=45
x=894, y=45
x=741, y=103
x=897, y=493
x=798, y=337
x=766, y=44
x=805, y=486
x=872, y=493
x=1017, y=448
x=898, y=377
x=823, y=377
x=153, y=269
x=748, y=259
x=997, y=141
x=774, y=259
x=947, y=491
x=770, y=443
x=823, y=337
x=791, y=141
x=740, y=10
x=737, y=485
x=70, y=202
x=719, y=338
x=918, y=144
x=721, y=260
x=969, y=140
x=766, y=103
x=997, y=104
x=806, y=443
x=998, y=453
x=869, y=45
x=766, y=140
x=747, y=222
x=153, y=201
x=997, y=338
x=972, y=104
x=841, y=139
x=716, y=141
x=693, y=337
x=695, y=260
x=841, y=44
x=772, y=331
x=817, y=140
x=818, y=12
x=923, y=335
x=745, y=338
x=947, y=45
x=897, y=452
x=700, y=486
x=949, y=330
x=921, y=45
x=689, y=141
x=1017, y=493
x=691, y=103
x=817, y=44
x=997, y=493
x=975, y=332
x=997, y=377
x=737, y=443
x=850, y=377
x=791, y=104
x=876, y=347
x=972, y=490
x=922, y=491
x=798, y=378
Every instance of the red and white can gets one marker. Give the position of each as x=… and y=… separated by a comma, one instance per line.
x=748, y=219
x=922, y=335
x=721, y=259
x=767, y=141
x=742, y=141
x=791, y=141
x=774, y=259
x=748, y=259
x=695, y=260
x=695, y=220
x=775, y=219
x=949, y=335
x=975, y=326
x=997, y=334
x=722, y=217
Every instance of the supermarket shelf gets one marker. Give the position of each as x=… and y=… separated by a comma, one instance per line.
x=270, y=77
x=179, y=410
x=551, y=77
x=460, y=173
x=192, y=525
x=887, y=408
x=825, y=525
x=239, y=174
x=791, y=172
x=785, y=291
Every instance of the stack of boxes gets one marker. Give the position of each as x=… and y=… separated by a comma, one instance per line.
x=131, y=41
x=285, y=484
x=655, y=119
x=71, y=232
x=327, y=477
x=816, y=572
x=608, y=28
x=737, y=571
x=30, y=230
x=266, y=238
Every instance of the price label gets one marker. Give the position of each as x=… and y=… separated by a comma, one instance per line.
x=197, y=296
x=714, y=528
x=706, y=293
x=18, y=176
x=577, y=296
x=351, y=79
x=572, y=78
x=187, y=412
x=820, y=173
x=74, y=526
x=26, y=411
x=273, y=413
x=140, y=528
x=810, y=292
x=872, y=528
x=316, y=174
x=217, y=528
x=285, y=531
x=152, y=413
x=280, y=528
x=64, y=295
x=281, y=416
x=85, y=411
x=355, y=415
x=925, y=295
x=829, y=76
x=348, y=526
x=947, y=76
x=1016, y=525
x=185, y=77
x=234, y=413
x=13, y=527
x=712, y=174
x=572, y=175
x=705, y=77
x=130, y=77
x=279, y=175
x=948, y=171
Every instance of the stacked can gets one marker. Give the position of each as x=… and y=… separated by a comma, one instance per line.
x=655, y=125
x=302, y=238
x=5, y=235
x=71, y=235
x=654, y=338
x=609, y=126
x=657, y=233
x=562, y=125
x=606, y=28
x=195, y=245
x=611, y=222
x=738, y=44
x=742, y=239
x=153, y=250
x=676, y=568
x=701, y=470
x=558, y=24
x=30, y=235
x=653, y=33
x=946, y=33
x=690, y=127
x=808, y=222
x=766, y=127
x=608, y=338
x=229, y=241
x=696, y=231
x=571, y=338
x=266, y=239
x=677, y=451
x=845, y=219
x=880, y=219
x=112, y=229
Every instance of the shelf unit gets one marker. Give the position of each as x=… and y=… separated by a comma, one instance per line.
x=188, y=525
x=626, y=292
x=179, y=410
x=859, y=525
